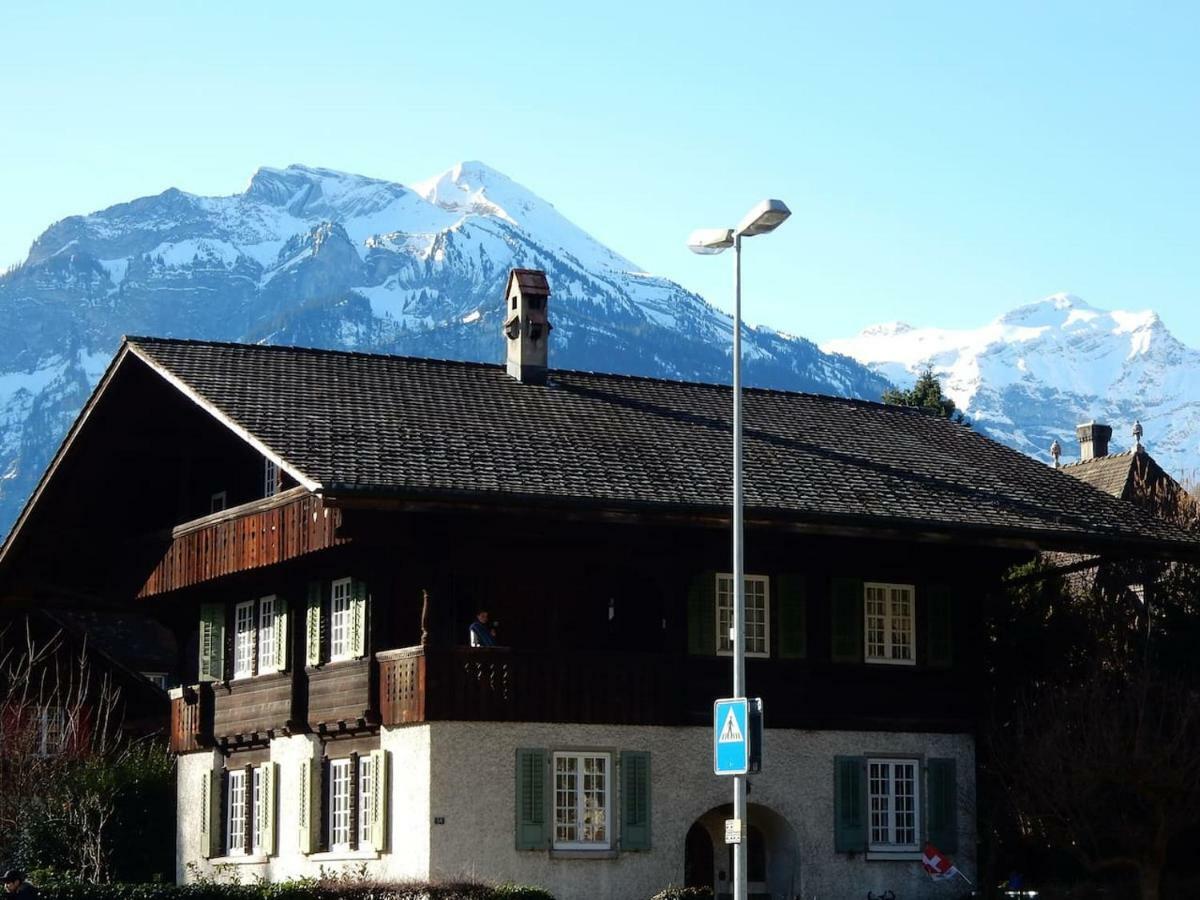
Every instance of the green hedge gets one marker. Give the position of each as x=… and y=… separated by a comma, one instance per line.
x=293, y=890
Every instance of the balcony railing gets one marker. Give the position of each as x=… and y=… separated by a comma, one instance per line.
x=500, y=684
x=191, y=718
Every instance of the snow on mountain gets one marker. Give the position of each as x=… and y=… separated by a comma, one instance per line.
x=1034, y=373
x=322, y=258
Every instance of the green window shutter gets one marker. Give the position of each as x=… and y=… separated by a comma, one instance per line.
x=380, y=793
x=358, y=619
x=309, y=791
x=212, y=642
x=210, y=830
x=635, y=800
x=281, y=634
x=846, y=608
x=702, y=615
x=270, y=779
x=942, y=804
x=793, y=616
x=939, y=620
x=312, y=624
x=532, y=830
x=849, y=804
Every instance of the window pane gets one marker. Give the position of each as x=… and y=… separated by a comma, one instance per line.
x=365, y=771
x=339, y=620
x=339, y=802
x=565, y=810
x=235, y=826
x=876, y=615
x=256, y=841
x=595, y=790
x=905, y=779
x=243, y=645
x=902, y=623
x=756, y=613
x=724, y=612
x=266, y=634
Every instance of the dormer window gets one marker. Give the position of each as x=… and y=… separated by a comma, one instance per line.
x=270, y=478
x=218, y=502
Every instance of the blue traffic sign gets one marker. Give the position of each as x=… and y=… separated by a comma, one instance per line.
x=731, y=737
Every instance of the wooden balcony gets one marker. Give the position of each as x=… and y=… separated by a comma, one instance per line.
x=191, y=718
x=616, y=688
x=244, y=537
x=253, y=710
x=341, y=696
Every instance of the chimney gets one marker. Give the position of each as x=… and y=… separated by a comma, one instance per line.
x=526, y=327
x=1093, y=440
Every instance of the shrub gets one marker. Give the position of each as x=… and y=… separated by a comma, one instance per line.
x=304, y=889
x=673, y=892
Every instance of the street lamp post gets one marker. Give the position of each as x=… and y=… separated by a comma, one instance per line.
x=763, y=218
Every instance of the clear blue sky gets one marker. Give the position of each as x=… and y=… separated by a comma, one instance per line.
x=944, y=161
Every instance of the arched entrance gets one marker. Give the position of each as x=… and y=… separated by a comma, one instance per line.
x=772, y=854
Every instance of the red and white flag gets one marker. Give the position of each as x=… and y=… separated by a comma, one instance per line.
x=937, y=864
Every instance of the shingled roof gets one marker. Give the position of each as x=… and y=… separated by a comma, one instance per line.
x=354, y=423
x=1110, y=473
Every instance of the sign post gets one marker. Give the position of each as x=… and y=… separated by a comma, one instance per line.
x=731, y=736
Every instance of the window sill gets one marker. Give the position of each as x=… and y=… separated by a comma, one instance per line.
x=582, y=853
x=893, y=855
x=890, y=662
x=256, y=860
x=343, y=855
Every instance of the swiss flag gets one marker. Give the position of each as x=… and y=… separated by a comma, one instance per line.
x=937, y=863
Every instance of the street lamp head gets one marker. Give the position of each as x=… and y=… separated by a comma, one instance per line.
x=765, y=216
x=708, y=241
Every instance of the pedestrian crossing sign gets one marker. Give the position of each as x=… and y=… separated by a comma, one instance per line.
x=731, y=744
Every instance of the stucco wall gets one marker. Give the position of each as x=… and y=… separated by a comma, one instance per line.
x=464, y=774
x=407, y=855
x=473, y=789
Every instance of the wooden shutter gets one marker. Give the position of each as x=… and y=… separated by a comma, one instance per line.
x=380, y=793
x=358, y=619
x=247, y=823
x=212, y=642
x=846, y=608
x=281, y=634
x=222, y=829
x=210, y=811
x=355, y=801
x=939, y=622
x=312, y=624
x=849, y=804
x=324, y=803
x=532, y=830
x=702, y=615
x=269, y=779
x=309, y=790
x=942, y=804
x=635, y=800
x=793, y=616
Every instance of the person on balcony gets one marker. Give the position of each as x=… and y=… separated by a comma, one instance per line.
x=481, y=634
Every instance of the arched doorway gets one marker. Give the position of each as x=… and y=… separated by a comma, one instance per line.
x=772, y=854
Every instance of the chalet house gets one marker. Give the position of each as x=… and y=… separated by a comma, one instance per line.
x=320, y=528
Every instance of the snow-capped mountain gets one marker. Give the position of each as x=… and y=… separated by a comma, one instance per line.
x=322, y=258
x=1034, y=373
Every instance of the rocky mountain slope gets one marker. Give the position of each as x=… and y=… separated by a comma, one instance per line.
x=1034, y=373
x=322, y=258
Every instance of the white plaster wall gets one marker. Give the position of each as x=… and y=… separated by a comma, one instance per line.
x=473, y=787
x=407, y=855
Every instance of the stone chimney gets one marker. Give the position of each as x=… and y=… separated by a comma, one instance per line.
x=1093, y=440
x=526, y=326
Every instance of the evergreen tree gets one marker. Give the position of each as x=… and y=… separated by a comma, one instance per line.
x=926, y=394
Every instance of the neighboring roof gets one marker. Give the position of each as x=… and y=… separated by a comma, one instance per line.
x=140, y=642
x=355, y=423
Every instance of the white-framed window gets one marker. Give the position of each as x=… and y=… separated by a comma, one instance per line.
x=366, y=772
x=889, y=623
x=235, y=824
x=218, y=501
x=52, y=730
x=341, y=615
x=270, y=478
x=582, y=801
x=758, y=614
x=243, y=639
x=894, y=804
x=266, y=633
x=339, y=804
x=257, y=810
